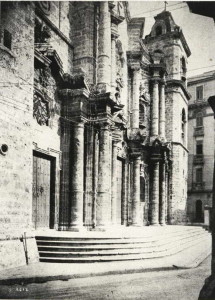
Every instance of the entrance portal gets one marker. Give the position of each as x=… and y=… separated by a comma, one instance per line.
x=43, y=210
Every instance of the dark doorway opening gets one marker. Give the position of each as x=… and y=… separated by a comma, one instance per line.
x=199, y=213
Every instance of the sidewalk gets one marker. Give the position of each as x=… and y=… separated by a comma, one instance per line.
x=43, y=272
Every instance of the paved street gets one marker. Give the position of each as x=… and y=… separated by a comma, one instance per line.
x=172, y=285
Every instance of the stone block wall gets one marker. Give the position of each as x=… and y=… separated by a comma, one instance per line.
x=16, y=97
x=19, y=131
x=175, y=102
x=178, y=195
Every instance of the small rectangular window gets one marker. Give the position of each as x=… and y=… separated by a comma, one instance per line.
x=199, y=147
x=7, y=39
x=199, y=92
x=199, y=176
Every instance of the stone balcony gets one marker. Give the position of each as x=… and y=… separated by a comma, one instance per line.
x=198, y=131
x=198, y=186
x=198, y=159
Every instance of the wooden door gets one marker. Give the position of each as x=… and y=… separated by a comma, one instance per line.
x=42, y=192
x=119, y=192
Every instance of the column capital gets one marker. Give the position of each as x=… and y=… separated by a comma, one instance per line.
x=106, y=125
x=162, y=82
x=79, y=121
x=135, y=156
x=114, y=34
x=156, y=80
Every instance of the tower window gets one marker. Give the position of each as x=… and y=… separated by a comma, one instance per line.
x=199, y=92
x=199, y=147
x=183, y=124
x=183, y=69
x=158, y=30
x=199, y=120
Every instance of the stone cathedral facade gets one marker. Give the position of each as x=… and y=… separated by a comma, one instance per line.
x=93, y=118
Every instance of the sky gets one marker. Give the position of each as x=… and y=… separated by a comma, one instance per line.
x=199, y=31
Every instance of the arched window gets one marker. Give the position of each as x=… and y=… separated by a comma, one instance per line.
x=158, y=30
x=199, y=119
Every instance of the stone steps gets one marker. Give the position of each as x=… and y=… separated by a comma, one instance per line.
x=87, y=249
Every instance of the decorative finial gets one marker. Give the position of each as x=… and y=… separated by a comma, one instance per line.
x=165, y=3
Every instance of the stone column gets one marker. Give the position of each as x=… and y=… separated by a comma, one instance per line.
x=135, y=99
x=136, y=192
x=113, y=63
x=167, y=193
x=104, y=49
x=125, y=193
x=155, y=108
x=77, y=184
x=162, y=118
x=163, y=194
x=114, y=183
x=64, y=219
x=103, y=211
x=155, y=194
x=95, y=175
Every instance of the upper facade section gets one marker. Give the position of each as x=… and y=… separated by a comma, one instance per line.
x=165, y=27
x=167, y=39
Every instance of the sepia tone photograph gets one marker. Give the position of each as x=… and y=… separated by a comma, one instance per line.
x=107, y=146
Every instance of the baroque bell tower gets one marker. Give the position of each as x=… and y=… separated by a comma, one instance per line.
x=169, y=51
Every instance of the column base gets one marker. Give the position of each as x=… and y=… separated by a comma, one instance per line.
x=77, y=228
x=155, y=224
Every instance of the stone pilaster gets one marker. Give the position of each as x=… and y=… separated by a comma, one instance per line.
x=114, y=183
x=77, y=180
x=136, y=191
x=155, y=194
x=103, y=205
x=104, y=49
x=162, y=118
x=135, y=98
x=155, y=108
x=163, y=194
x=113, y=63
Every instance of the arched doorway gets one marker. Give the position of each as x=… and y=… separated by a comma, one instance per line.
x=199, y=214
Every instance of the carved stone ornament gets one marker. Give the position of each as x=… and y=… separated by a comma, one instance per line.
x=42, y=32
x=45, y=6
x=41, y=110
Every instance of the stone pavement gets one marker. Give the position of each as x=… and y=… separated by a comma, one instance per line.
x=43, y=272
